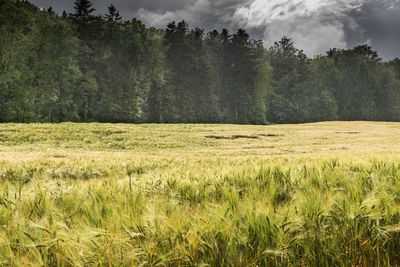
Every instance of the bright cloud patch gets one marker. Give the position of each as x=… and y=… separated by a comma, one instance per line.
x=314, y=25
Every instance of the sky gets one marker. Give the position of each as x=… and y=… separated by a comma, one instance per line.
x=314, y=25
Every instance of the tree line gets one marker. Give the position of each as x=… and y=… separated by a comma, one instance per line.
x=83, y=67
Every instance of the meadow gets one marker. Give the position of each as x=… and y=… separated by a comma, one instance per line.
x=323, y=194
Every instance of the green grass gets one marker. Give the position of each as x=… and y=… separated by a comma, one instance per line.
x=325, y=194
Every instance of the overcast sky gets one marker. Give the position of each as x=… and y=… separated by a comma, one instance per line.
x=314, y=25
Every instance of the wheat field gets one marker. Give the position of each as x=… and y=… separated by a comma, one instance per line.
x=323, y=194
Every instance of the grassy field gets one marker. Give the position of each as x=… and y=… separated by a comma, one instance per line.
x=324, y=194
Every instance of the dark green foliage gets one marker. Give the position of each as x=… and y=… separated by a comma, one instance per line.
x=302, y=88
x=356, y=92
x=82, y=67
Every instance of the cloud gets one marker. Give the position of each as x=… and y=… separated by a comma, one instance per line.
x=314, y=25
x=192, y=14
x=209, y=14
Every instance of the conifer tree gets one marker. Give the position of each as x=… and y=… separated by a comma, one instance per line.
x=113, y=14
x=83, y=10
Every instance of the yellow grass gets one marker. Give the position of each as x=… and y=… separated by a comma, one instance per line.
x=318, y=194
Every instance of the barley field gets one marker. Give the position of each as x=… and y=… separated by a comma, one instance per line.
x=324, y=194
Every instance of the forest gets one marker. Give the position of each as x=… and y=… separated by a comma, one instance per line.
x=82, y=67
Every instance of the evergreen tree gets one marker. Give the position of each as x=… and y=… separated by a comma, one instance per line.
x=179, y=60
x=290, y=68
x=221, y=60
x=245, y=64
x=113, y=14
x=83, y=10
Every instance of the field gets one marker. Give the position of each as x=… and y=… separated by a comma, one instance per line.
x=324, y=194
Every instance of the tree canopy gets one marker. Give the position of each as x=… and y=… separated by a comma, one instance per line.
x=84, y=67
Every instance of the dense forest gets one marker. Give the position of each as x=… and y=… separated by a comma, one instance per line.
x=84, y=67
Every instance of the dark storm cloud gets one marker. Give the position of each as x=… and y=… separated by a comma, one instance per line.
x=315, y=25
x=379, y=21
